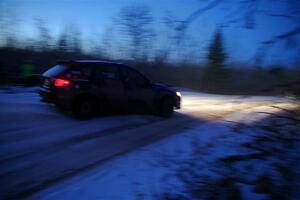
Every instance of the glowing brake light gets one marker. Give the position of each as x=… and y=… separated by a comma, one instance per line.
x=61, y=82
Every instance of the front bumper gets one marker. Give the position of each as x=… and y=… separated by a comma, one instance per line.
x=177, y=102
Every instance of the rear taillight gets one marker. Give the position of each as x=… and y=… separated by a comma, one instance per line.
x=61, y=82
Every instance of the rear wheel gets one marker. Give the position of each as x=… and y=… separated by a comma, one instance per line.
x=166, y=107
x=85, y=107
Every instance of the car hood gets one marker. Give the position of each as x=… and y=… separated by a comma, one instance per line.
x=161, y=86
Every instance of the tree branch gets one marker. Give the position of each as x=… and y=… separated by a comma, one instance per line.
x=185, y=23
x=290, y=17
x=283, y=36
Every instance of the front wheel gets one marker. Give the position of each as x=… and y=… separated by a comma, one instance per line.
x=166, y=108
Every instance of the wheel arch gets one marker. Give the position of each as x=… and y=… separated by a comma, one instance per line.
x=166, y=96
x=81, y=96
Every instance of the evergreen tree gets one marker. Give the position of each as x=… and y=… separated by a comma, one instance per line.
x=216, y=74
x=216, y=52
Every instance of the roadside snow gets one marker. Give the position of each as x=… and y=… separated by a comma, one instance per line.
x=162, y=170
x=223, y=154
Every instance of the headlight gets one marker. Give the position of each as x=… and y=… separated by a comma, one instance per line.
x=178, y=94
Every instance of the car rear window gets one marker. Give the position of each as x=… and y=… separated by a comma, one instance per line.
x=56, y=70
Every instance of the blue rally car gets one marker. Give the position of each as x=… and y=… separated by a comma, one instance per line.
x=87, y=87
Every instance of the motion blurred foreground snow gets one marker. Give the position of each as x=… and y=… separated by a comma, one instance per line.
x=216, y=147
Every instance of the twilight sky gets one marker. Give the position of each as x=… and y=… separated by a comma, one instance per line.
x=94, y=16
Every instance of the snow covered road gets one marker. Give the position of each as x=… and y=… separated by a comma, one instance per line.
x=41, y=146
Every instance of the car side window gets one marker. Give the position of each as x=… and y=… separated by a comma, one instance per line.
x=79, y=72
x=107, y=75
x=87, y=71
x=133, y=77
x=108, y=72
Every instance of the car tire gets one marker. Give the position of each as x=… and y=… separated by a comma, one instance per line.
x=85, y=108
x=166, y=107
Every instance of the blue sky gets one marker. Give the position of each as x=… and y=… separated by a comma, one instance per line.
x=93, y=16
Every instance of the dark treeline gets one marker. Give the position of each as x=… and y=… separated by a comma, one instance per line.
x=12, y=61
x=274, y=80
x=239, y=79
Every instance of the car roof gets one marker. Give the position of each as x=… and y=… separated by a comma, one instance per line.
x=73, y=62
x=95, y=61
x=89, y=62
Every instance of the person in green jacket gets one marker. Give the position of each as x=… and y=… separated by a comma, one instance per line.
x=27, y=69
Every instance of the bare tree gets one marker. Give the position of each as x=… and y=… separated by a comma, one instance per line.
x=75, y=38
x=170, y=43
x=62, y=43
x=135, y=24
x=107, y=42
x=70, y=39
x=44, y=37
x=8, y=23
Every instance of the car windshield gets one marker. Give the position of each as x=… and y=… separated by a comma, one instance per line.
x=54, y=71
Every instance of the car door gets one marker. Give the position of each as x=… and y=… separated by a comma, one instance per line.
x=109, y=84
x=137, y=86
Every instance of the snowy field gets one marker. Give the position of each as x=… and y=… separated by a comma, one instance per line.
x=213, y=146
